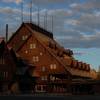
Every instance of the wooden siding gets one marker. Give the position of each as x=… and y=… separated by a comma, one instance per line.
x=45, y=53
x=7, y=63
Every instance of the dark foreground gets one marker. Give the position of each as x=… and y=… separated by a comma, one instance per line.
x=51, y=97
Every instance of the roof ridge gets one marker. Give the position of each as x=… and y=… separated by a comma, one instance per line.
x=40, y=29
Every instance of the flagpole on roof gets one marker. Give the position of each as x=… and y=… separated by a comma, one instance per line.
x=6, y=32
x=31, y=11
x=52, y=23
x=46, y=20
x=38, y=16
x=22, y=11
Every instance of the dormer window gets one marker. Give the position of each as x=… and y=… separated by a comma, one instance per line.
x=24, y=37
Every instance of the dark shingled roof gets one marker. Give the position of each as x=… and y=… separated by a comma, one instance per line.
x=39, y=29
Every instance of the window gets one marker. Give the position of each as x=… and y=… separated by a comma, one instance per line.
x=40, y=88
x=43, y=69
x=35, y=58
x=3, y=75
x=53, y=66
x=52, y=78
x=32, y=46
x=26, y=51
x=6, y=74
x=2, y=60
x=24, y=37
x=41, y=53
x=44, y=78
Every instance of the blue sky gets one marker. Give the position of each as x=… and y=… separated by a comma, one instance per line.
x=76, y=23
x=90, y=55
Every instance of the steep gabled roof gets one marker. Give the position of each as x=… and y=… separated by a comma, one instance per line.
x=39, y=29
x=68, y=69
x=33, y=27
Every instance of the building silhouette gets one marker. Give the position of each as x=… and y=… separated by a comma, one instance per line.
x=56, y=70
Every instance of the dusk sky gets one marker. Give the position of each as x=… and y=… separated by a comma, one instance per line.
x=76, y=23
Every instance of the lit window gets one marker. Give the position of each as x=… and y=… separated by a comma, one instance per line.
x=26, y=51
x=52, y=78
x=32, y=46
x=44, y=78
x=53, y=66
x=5, y=74
x=40, y=88
x=35, y=58
x=24, y=37
x=43, y=69
x=41, y=53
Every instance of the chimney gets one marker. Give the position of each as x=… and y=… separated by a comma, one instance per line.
x=6, y=32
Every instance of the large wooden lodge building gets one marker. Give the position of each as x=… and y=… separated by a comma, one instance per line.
x=54, y=68
x=33, y=62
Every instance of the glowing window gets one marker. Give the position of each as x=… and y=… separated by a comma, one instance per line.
x=32, y=46
x=41, y=53
x=53, y=66
x=35, y=58
x=24, y=37
x=43, y=69
x=44, y=78
x=26, y=51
